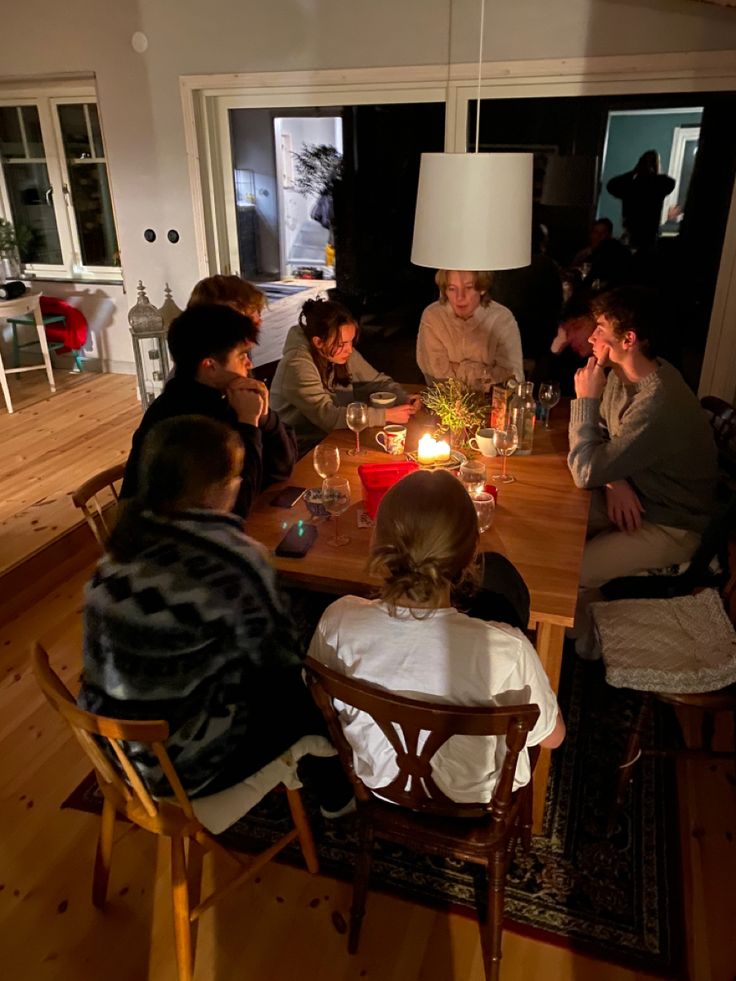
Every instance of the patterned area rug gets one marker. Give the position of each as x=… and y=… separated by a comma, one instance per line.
x=617, y=898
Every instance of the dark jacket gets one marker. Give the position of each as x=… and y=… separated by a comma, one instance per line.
x=270, y=447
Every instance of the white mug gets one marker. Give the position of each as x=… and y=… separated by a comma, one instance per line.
x=483, y=442
x=395, y=439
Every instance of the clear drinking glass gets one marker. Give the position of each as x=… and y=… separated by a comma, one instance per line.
x=549, y=396
x=357, y=420
x=485, y=506
x=336, y=500
x=326, y=460
x=505, y=441
x=473, y=476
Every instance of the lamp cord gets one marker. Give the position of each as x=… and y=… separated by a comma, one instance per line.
x=480, y=69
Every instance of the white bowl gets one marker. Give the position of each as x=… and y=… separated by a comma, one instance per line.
x=382, y=400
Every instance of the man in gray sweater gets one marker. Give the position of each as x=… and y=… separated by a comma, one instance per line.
x=641, y=443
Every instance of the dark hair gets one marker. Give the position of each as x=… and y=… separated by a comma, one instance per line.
x=323, y=319
x=630, y=308
x=607, y=224
x=180, y=460
x=425, y=538
x=207, y=331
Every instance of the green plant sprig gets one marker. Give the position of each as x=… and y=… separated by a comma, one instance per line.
x=456, y=405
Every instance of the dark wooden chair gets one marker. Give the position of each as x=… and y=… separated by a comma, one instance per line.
x=125, y=795
x=412, y=811
x=722, y=417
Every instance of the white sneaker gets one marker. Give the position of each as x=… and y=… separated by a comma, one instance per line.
x=349, y=808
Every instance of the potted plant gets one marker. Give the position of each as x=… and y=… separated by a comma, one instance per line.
x=460, y=410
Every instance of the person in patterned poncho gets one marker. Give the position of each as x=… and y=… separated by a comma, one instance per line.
x=183, y=621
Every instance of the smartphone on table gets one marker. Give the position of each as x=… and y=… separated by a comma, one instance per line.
x=287, y=497
x=297, y=541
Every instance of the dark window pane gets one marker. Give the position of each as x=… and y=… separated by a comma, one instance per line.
x=93, y=210
x=74, y=131
x=11, y=144
x=32, y=126
x=94, y=121
x=33, y=212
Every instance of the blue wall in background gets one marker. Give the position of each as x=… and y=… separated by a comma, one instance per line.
x=628, y=137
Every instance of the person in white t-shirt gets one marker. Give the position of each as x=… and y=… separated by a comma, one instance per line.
x=413, y=642
x=467, y=335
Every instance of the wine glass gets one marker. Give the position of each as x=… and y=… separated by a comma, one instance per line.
x=549, y=396
x=506, y=441
x=473, y=476
x=356, y=418
x=336, y=500
x=326, y=460
x=485, y=506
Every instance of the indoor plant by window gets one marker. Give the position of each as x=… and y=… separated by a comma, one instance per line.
x=9, y=254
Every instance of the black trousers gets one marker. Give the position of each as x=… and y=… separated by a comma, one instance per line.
x=502, y=594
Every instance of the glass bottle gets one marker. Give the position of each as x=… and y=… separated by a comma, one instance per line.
x=523, y=414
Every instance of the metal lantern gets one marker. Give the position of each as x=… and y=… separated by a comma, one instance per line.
x=169, y=311
x=149, y=347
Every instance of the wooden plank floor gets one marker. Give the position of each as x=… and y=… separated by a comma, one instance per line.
x=50, y=444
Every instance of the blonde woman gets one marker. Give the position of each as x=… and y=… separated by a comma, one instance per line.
x=413, y=641
x=230, y=291
x=466, y=334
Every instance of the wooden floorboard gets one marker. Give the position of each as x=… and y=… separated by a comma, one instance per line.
x=50, y=445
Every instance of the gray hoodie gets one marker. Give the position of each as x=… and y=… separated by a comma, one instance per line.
x=314, y=409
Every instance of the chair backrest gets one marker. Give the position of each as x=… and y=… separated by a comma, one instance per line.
x=722, y=417
x=402, y=720
x=114, y=770
x=96, y=498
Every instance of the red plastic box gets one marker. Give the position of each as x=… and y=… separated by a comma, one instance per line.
x=376, y=479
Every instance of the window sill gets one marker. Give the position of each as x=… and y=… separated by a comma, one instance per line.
x=75, y=280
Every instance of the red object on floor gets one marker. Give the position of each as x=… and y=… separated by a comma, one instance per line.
x=72, y=334
x=377, y=478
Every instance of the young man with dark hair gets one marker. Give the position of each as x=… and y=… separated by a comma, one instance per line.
x=209, y=345
x=641, y=443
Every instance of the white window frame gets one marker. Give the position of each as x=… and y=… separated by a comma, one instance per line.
x=46, y=101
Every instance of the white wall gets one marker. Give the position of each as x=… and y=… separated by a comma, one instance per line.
x=139, y=93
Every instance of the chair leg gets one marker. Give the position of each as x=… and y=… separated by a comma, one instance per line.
x=180, y=898
x=492, y=929
x=103, y=855
x=631, y=755
x=301, y=823
x=360, y=883
x=526, y=815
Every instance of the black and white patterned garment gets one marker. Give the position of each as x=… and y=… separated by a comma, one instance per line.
x=194, y=631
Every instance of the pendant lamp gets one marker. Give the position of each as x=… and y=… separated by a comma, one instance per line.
x=474, y=210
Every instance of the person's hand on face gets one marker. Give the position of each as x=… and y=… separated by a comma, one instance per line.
x=400, y=414
x=590, y=380
x=249, y=398
x=623, y=506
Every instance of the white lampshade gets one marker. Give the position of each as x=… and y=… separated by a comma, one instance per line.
x=474, y=211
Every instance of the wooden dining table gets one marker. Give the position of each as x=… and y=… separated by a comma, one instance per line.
x=539, y=525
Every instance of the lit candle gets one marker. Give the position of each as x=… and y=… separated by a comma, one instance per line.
x=426, y=450
x=441, y=452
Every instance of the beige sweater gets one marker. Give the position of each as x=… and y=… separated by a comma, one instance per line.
x=486, y=346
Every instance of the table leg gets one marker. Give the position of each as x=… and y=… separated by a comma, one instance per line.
x=44, y=346
x=4, y=386
x=550, y=639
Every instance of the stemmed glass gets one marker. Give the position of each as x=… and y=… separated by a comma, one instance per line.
x=357, y=420
x=506, y=441
x=336, y=500
x=326, y=460
x=485, y=506
x=549, y=396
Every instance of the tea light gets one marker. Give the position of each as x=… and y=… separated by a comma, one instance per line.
x=430, y=450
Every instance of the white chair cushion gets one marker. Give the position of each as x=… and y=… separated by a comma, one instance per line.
x=682, y=645
x=218, y=811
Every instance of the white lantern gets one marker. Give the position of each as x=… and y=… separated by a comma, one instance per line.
x=151, y=353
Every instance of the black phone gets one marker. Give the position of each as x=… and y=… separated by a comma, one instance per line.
x=288, y=497
x=297, y=541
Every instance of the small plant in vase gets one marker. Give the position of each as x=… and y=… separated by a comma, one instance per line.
x=460, y=410
x=9, y=245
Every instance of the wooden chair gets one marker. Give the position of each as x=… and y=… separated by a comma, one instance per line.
x=98, y=507
x=649, y=677
x=125, y=794
x=484, y=834
x=722, y=417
